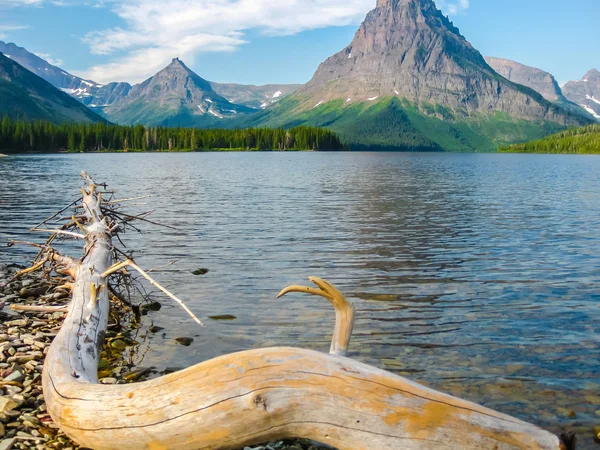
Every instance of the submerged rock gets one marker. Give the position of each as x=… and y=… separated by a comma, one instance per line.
x=223, y=317
x=186, y=342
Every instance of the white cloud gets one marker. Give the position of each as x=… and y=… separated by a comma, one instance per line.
x=21, y=2
x=48, y=57
x=6, y=29
x=155, y=31
x=158, y=30
x=452, y=7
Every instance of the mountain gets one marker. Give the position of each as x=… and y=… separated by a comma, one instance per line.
x=536, y=79
x=585, y=92
x=68, y=83
x=107, y=95
x=410, y=80
x=87, y=92
x=24, y=95
x=258, y=97
x=175, y=96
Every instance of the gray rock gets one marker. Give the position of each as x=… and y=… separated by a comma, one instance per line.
x=7, y=444
x=15, y=376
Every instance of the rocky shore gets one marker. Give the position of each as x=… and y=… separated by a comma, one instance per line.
x=25, y=338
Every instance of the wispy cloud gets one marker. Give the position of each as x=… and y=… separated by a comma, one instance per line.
x=158, y=30
x=48, y=57
x=155, y=31
x=452, y=7
x=6, y=29
x=21, y=2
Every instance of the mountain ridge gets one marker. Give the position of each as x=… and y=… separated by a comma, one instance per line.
x=537, y=79
x=24, y=95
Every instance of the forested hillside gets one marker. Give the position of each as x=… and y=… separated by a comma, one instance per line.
x=584, y=140
x=22, y=136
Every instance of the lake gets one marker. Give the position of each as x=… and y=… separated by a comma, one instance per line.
x=475, y=274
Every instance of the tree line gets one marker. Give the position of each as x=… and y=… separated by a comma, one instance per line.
x=583, y=140
x=24, y=136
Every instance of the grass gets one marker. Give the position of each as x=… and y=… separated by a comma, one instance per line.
x=398, y=124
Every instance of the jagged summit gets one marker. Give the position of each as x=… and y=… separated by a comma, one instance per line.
x=408, y=49
x=586, y=92
x=177, y=63
x=593, y=74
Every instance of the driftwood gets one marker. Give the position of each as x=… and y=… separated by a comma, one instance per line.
x=253, y=396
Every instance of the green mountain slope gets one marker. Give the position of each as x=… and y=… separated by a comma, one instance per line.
x=584, y=140
x=26, y=96
x=394, y=124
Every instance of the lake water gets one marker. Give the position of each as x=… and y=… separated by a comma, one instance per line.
x=478, y=275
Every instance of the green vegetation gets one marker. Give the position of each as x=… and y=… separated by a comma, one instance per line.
x=21, y=136
x=394, y=124
x=584, y=140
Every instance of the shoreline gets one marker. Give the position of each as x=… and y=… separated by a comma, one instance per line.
x=25, y=338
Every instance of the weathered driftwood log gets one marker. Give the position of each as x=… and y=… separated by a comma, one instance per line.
x=253, y=396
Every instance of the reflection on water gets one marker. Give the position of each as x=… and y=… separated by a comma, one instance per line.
x=474, y=274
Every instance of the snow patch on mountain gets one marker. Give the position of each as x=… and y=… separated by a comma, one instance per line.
x=214, y=113
x=592, y=99
x=76, y=92
x=373, y=98
x=591, y=111
x=277, y=94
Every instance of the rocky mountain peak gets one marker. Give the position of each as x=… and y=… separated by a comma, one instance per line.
x=586, y=92
x=592, y=75
x=534, y=78
x=174, y=96
x=176, y=63
x=410, y=50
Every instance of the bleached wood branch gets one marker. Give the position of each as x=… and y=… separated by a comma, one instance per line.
x=254, y=396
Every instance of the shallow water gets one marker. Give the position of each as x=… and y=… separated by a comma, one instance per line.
x=478, y=275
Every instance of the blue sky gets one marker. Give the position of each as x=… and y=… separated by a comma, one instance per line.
x=278, y=41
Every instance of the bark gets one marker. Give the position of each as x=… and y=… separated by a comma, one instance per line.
x=254, y=396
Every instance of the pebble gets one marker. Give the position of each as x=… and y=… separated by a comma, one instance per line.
x=7, y=444
x=24, y=341
x=15, y=376
x=7, y=404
